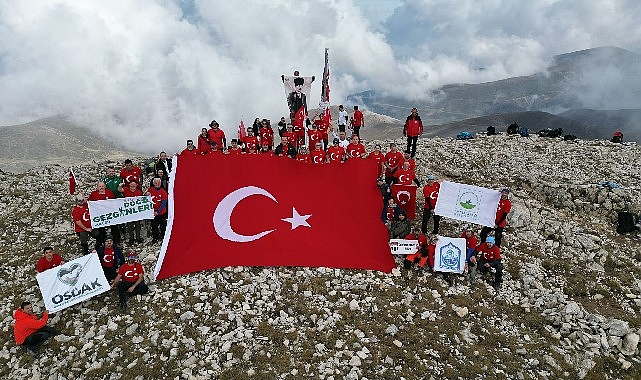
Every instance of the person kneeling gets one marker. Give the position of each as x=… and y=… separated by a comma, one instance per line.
x=130, y=280
x=30, y=331
x=487, y=255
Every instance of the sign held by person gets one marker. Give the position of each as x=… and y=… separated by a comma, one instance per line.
x=467, y=203
x=120, y=210
x=72, y=282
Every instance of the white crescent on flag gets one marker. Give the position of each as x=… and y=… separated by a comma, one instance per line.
x=222, y=215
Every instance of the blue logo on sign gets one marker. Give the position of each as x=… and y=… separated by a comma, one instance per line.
x=450, y=257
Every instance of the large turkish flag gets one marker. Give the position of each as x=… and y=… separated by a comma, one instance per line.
x=253, y=210
x=405, y=198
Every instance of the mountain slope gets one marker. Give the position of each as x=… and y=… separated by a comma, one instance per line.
x=53, y=140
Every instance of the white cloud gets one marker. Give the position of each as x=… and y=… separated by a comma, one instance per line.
x=151, y=76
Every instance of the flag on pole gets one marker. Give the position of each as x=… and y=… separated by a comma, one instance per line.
x=325, y=89
x=73, y=183
x=467, y=203
x=324, y=104
x=241, y=131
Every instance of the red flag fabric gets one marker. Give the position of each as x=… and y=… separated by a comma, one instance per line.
x=405, y=197
x=241, y=131
x=269, y=211
x=73, y=184
x=299, y=118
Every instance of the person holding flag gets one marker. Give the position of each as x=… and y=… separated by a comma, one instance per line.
x=73, y=183
x=430, y=192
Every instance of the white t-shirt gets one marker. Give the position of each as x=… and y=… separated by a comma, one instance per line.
x=342, y=117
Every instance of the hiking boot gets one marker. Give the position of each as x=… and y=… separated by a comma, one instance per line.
x=419, y=272
x=123, y=307
x=32, y=351
x=139, y=241
x=496, y=286
x=450, y=281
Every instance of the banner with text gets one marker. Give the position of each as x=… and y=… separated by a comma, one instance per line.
x=450, y=254
x=467, y=203
x=72, y=282
x=120, y=210
x=403, y=247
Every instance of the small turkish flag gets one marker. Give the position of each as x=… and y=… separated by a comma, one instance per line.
x=405, y=198
x=270, y=211
x=73, y=184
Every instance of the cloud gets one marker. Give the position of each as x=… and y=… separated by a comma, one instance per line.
x=151, y=73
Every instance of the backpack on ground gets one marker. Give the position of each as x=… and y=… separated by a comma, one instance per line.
x=464, y=136
x=617, y=137
x=491, y=131
x=524, y=132
x=625, y=222
x=512, y=129
x=569, y=137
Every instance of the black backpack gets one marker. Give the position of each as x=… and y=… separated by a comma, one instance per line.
x=569, y=137
x=626, y=222
x=491, y=131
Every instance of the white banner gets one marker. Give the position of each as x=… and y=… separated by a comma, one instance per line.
x=72, y=282
x=120, y=210
x=450, y=254
x=297, y=90
x=403, y=247
x=467, y=203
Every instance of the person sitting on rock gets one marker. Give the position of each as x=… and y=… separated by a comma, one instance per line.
x=401, y=227
x=420, y=257
x=130, y=280
x=30, y=331
x=487, y=255
x=48, y=260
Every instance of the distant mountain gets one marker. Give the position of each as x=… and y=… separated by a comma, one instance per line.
x=606, y=78
x=53, y=140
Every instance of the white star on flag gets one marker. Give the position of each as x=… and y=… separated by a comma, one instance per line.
x=297, y=219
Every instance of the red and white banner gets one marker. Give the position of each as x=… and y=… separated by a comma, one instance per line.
x=269, y=211
x=405, y=198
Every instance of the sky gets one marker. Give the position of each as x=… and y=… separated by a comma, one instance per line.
x=150, y=73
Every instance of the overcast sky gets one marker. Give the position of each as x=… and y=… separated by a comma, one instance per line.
x=156, y=71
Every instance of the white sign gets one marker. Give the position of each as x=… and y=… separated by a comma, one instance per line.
x=72, y=282
x=120, y=210
x=450, y=254
x=467, y=203
x=403, y=247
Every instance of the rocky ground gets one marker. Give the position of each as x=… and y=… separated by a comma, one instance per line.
x=569, y=306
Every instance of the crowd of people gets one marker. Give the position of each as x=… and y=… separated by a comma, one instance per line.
x=306, y=141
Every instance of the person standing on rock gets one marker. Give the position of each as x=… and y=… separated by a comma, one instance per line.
x=487, y=255
x=430, y=193
x=82, y=224
x=412, y=129
x=160, y=199
x=130, y=280
x=357, y=121
x=111, y=258
x=134, y=227
x=30, y=331
x=503, y=209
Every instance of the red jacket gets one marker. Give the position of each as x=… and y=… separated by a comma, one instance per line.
x=26, y=324
x=413, y=126
x=483, y=252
